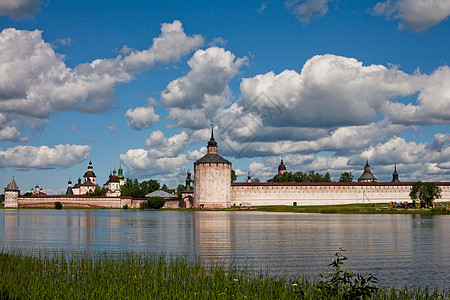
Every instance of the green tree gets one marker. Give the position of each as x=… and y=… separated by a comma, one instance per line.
x=346, y=177
x=233, y=176
x=2, y=198
x=180, y=189
x=256, y=180
x=133, y=188
x=311, y=176
x=165, y=188
x=153, y=203
x=425, y=192
x=98, y=191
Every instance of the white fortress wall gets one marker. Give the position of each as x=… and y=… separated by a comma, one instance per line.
x=73, y=201
x=260, y=194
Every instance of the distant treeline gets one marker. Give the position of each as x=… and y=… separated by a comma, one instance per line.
x=311, y=176
x=136, y=189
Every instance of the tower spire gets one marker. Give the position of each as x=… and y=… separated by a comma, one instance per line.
x=212, y=144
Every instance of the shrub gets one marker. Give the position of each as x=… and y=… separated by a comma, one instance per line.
x=341, y=284
x=125, y=206
x=153, y=203
x=58, y=205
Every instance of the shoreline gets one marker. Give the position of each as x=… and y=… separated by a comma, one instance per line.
x=317, y=209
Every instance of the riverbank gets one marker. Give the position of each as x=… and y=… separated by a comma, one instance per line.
x=57, y=276
x=348, y=209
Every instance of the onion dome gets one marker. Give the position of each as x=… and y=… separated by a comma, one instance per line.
x=120, y=173
x=281, y=167
x=212, y=142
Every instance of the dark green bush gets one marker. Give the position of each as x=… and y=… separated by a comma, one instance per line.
x=153, y=203
x=125, y=206
x=341, y=284
x=58, y=205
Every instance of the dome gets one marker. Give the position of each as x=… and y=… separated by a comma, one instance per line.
x=281, y=167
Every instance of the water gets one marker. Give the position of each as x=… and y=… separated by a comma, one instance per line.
x=399, y=249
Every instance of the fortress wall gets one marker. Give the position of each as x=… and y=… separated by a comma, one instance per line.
x=73, y=201
x=260, y=194
x=212, y=185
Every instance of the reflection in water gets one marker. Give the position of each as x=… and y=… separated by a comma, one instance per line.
x=398, y=249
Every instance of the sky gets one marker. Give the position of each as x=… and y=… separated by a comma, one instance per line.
x=321, y=84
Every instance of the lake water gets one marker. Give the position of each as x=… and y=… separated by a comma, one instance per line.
x=398, y=249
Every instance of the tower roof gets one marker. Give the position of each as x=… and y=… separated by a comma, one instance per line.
x=281, y=167
x=90, y=172
x=212, y=142
x=12, y=186
x=212, y=158
x=367, y=175
x=120, y=173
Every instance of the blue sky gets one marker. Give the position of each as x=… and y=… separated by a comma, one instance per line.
x=321, y=84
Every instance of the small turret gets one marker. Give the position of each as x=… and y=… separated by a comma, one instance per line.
x=367, y=176
x=281, y=168
x=212, y=144
x=69, y=190
x=120, y=175
x=395, y=174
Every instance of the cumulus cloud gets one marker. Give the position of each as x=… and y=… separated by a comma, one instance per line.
x=418, y=15
x=330, y=91
x=35, y=81
x=308, y=10
x=141, y=117
x=432, y=105
x=170, y=46
x=19, y=8
x=44, y=157
x=166, y=147
x=141, y=164
x=198, y=95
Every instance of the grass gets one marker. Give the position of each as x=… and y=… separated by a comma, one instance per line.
x=348, y=209
x=57, y=276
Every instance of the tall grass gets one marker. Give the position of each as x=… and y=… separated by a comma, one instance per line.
x=58, y=276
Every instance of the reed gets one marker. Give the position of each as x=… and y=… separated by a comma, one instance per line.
x=131, y=276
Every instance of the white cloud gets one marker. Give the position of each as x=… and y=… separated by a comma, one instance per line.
x=330, y=91
x=260, y=170
x=170, y=46
x=433, y=105
x=196, y=154
x=44, y=157
x=141, y=164
x=19, y=8
x=197, y=96
x=308, y=10
x=211, y=71
x=417, y=15
x=218, y=41
x=166, y=147
x=141, y=117
x=35, y=82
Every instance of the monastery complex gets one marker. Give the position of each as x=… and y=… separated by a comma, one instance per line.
x=213, y=189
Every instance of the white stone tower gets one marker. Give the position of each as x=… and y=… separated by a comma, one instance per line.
x=12, y=195
x=212, y=179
